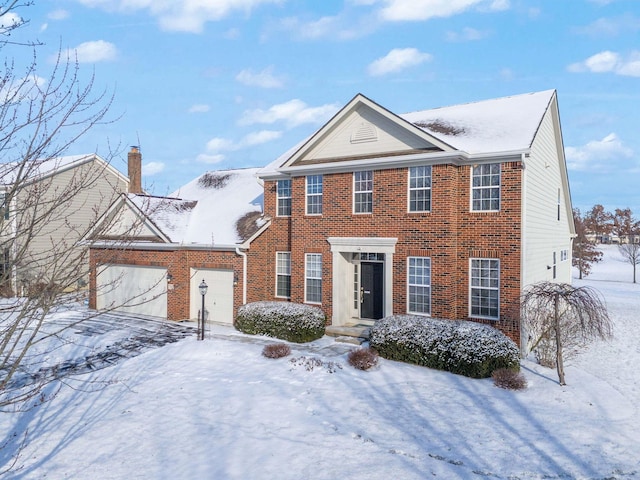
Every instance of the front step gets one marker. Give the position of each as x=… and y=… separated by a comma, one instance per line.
x=355, y=335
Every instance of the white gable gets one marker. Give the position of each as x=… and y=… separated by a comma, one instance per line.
x=364, y=131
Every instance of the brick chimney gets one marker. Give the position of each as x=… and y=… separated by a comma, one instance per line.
x=135, y=170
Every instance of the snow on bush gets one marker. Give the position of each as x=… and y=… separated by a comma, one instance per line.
x=465, y=348
x=293, y=322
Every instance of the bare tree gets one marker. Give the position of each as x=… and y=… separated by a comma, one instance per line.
x=624, y=224
x=631, y=254
x=42, y=115
x=584, y=252
x=559, y=319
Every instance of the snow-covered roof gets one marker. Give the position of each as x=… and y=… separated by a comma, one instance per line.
x=42, y=168
x=504, y=124
x=498, y=125
x=210, y=209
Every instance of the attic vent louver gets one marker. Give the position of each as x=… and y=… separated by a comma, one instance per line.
x=366, y=132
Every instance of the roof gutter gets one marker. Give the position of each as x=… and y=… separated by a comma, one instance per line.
x=380, y=163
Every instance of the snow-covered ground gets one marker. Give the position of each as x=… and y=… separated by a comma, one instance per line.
x=218, y=409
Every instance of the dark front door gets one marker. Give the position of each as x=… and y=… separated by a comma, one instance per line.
x=371, y=290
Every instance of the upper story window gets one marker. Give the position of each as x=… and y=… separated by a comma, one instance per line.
x=284, y=198
x=314, y=195
x=485, y=187
x=363, y=192
x=420, y=189
x=485, y=288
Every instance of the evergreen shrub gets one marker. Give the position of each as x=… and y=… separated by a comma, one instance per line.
x=293, y=322
x=462, y=347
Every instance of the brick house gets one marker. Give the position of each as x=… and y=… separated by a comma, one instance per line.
x=448, y=212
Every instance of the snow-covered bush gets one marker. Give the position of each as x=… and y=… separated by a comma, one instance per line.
x=293, y=322
x=457, y=346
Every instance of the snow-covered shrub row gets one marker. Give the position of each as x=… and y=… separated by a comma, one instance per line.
x=465, y=348
x=293, y=322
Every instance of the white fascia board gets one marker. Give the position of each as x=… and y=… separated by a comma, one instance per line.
x=125, y=246
x=381, y=163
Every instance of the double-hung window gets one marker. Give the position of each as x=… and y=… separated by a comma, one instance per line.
x=485, y=187
x=284, y=198
x=283, y=274
x=419, y=283
x=313, y=278
x=485, y=288
x=314, y=195
x=363, y=192
x=420, y=189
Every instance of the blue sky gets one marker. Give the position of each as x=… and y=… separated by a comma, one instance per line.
x=213, y=84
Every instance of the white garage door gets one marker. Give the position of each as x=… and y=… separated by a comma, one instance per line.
x=133, y=289
x=218, y=302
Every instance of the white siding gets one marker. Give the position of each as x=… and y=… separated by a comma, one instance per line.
x=389, y=137
x=543, y=233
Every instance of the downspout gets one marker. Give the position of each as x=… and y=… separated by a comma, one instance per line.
x=523, y=250
x=244, y=274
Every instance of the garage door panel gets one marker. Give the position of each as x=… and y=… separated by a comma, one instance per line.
x=219, y=297
x=133, y=289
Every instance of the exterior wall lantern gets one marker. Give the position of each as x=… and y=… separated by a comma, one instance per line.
x=203, y=291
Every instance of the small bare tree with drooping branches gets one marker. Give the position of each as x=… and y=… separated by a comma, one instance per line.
x=631, y=254
x=560, y=319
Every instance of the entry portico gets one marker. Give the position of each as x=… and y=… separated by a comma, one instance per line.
x=362, y=278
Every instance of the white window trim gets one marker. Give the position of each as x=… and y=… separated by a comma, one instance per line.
x=353, y=200
x=306, y=277
x=409, y=288
x=471, y=287
x=278, y=198
x=409, y=190
x=278, y=274
x=307, y=195
x=499, y=187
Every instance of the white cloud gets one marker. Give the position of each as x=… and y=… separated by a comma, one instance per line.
x=183, y=16
x=396, y=60
x=611, y=26
x=293, y=113
x=338, y=27
x=8, y=21
x=59, y=14
x=598, y=155
x=199, y=108
x=609, y=62
x=263, y=79
x=263, y=136
x=467, y=34
x=91, y=52
x=417, y=10
x=152, y=168
x=210, y=159
x=216, y=146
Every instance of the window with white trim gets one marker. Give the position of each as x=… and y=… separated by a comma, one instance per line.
x=283, y=195
x=484, y=295
x=313, y=278
x=314, y=195
x=485, y=187
x=283, y=274
x=420, y=189
x=419, y=284
x=363, y=192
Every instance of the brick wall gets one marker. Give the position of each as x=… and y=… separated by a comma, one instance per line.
x=450, y=234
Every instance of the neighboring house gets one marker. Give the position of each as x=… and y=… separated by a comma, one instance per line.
x=449, y=212
x=47, y=207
